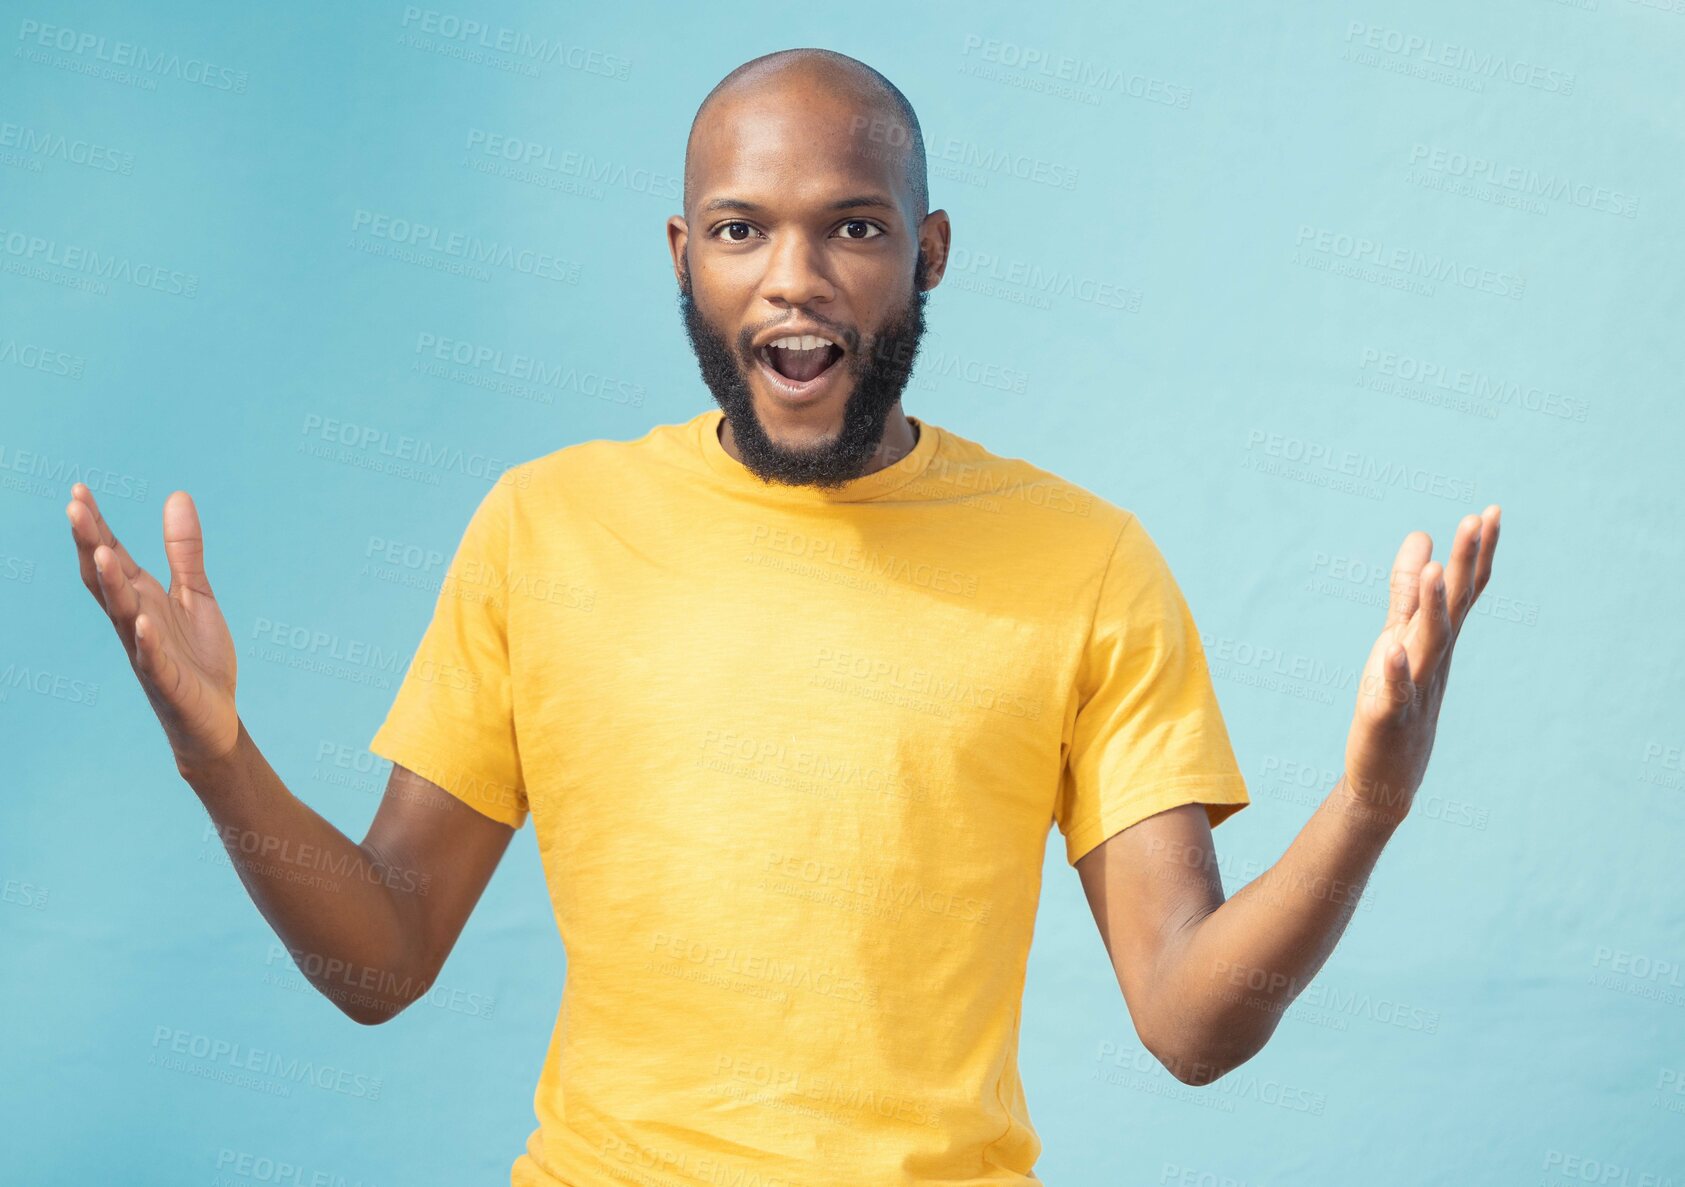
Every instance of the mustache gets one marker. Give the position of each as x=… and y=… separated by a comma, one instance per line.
x=848, y=336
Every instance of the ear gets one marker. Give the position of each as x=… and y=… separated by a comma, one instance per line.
x=934, y=235
x=678, y=235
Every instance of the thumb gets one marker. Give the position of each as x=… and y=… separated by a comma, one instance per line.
x=1385, y=681
x=1395, y=690
x=184, y=545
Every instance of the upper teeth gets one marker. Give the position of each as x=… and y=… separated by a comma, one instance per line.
x=801, y=342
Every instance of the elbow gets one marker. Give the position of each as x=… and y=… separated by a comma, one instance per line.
x=368, y=1010
x=1195, y=1070
x=1191, y=1067
x=1201, y=1060
x=373, y=992
x=373, y=1015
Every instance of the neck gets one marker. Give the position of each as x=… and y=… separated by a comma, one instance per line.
x=897, y=442
x=899, y=438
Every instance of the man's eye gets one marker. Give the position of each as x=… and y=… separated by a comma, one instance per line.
x=726, y=227
x=860, y=222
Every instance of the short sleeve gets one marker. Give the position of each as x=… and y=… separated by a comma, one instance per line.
x=452, y=719
x=1148, y=733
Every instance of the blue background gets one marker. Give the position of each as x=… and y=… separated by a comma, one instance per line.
x=1204, y=284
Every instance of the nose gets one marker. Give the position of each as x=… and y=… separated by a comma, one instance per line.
x=795, y=273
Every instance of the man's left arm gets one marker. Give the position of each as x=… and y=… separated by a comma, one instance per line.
x=1206, y=980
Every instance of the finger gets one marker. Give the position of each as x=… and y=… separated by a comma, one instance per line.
x=1489, y=524
x=184, y=545
x=152, y=660
x=1406, y=577
x=86, y=535
x=102, y=530
x=1393, y=690
x=121, y=600
x=1459, y=577
x=1430, y=629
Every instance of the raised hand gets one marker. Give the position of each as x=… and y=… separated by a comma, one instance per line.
x=1403, y=681
x=178, y=644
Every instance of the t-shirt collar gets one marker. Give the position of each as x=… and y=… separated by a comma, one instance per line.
x=871, y=486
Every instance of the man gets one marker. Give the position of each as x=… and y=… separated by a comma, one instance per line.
x=793, y=693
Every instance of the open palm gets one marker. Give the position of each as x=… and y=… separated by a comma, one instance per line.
x=177, y=641
x=1404, y=678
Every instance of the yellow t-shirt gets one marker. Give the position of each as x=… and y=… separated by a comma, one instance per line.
x=793, y=757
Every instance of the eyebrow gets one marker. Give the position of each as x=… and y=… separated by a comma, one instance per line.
x=746, y=207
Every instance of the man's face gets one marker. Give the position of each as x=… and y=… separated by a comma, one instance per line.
x=801, y=225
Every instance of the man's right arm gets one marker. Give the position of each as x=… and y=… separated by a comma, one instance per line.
x=369, y=924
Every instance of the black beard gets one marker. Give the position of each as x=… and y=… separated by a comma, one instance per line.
x=879, y=373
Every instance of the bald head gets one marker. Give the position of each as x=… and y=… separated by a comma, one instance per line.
x=885, y=119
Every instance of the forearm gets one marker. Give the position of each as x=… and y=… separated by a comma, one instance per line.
x=1231, y=973
x=340, y=910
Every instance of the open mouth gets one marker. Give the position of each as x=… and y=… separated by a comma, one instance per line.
x=797, y=365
